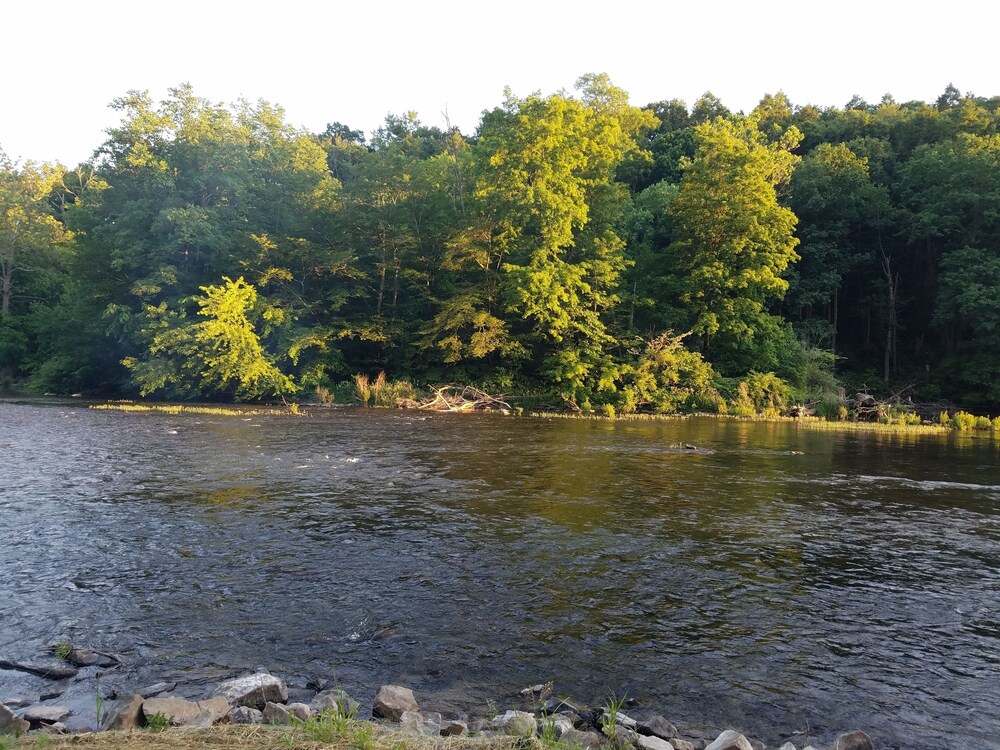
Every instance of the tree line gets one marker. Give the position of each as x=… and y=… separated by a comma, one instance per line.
x=575, y=248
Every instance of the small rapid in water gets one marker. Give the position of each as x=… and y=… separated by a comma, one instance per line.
x=774, y=580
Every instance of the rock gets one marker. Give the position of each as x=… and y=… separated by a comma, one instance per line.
x=576, y=738
x=556, y=705
x=275, y=713
x=336, y=701
x=657, y=727
x=126, y=714
x=680, y=744
x=300, y=711
x=39, y=714
x=620, y=720
x=730, y=740
x=244, y=715
x=391, y=701
x=16, y=701
x=10, y=724
x=454, y=728
x=184, y=713
x=787, y=746
x=85, y=657
x=55, y=728
x=536, y=689
x=425, y=724
x=558, y=724
x=254, y=691
x=300, y=695
x=856, y=740
x=515, y=723
x=214, y=710
x=478, y=726
x=154, y=690
x=652, y=742
x=51, y=695
x=53, y=670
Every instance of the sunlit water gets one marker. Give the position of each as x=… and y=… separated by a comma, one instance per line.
x=854, y=585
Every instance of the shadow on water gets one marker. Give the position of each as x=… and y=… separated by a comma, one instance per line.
x=771, y=580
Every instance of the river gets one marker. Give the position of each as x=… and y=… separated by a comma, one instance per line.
x=776, y=580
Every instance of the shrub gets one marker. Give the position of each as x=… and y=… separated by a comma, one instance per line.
x=963, y=421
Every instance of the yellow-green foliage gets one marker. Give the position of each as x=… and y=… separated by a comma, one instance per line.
x=944, y=418
x=666, y=378
x=901, y=417
x=217, y=411
x=964, y=421
x=761, y=393
x=984, y=423
x=381, y=391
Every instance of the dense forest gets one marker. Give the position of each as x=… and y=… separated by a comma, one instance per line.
x=575, y=248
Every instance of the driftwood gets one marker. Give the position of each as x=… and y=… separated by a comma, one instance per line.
x=461, y=398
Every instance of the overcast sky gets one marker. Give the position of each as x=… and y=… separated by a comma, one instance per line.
x=65, y=60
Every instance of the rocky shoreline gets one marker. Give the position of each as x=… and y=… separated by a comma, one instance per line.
x=263, y=698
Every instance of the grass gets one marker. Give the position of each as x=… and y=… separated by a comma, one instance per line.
x=358, y=735
x=218, y=411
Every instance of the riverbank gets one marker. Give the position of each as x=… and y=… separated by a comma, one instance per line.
x=260, y=711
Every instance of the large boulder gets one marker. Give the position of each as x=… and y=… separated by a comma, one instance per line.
x=454, y=728
x=11, y=724
x=334, y=701
x=651, y=742
x=515, y=723
x=40, y=714
x=275, y=713
x=254, y=690
x=391, y=701
x=557, y=724
x=184, y=713
x=244, y=715
x=657, y=727
x=730, y=740
x=151, y=691
x=426, y=724
x=856, y=740
x=576, y=738
x=126, y=714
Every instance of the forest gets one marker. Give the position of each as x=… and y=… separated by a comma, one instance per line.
x=576, y=249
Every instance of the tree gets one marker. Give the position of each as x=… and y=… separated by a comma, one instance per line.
x=549, y=185
x=221, y=355
x=732, y=240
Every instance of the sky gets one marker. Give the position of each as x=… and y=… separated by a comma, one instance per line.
x=65, y=61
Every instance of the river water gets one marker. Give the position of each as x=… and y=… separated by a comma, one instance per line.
x=777, y=580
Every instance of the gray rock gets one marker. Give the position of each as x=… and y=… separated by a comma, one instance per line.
x=515, y=723
x=392, y=700
x=10, y=724
x=557, y=705
x=300, y=711
x=856, y=740
x=85, y=657
x=275, y=713
x=56, y=727
x=254, y=690
x=787, y=746
x=184, y=713
x=657, y=727
x=335, y=701
x=126, y=714
x=425, y=724
x=680, y=744
x=454, y=728
x=478, y=726
x=159, y=688
x=244, y=715
x=652, y=742
x=576, y=738
x=39, y=714
x=730, y=740
x=16, y=701
x=558, y=724
x=620, y=719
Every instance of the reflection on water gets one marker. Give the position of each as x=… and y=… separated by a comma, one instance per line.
x=779, y=580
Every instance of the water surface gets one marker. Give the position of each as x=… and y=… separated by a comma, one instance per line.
x=780, y=580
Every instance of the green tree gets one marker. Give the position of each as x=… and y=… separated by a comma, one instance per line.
x=732, y=239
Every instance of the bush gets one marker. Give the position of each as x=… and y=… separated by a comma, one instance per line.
x=963, y=421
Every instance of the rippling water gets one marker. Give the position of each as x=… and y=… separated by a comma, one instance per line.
x=853, y=585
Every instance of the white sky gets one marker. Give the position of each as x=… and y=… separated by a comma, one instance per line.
x=354, y=62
